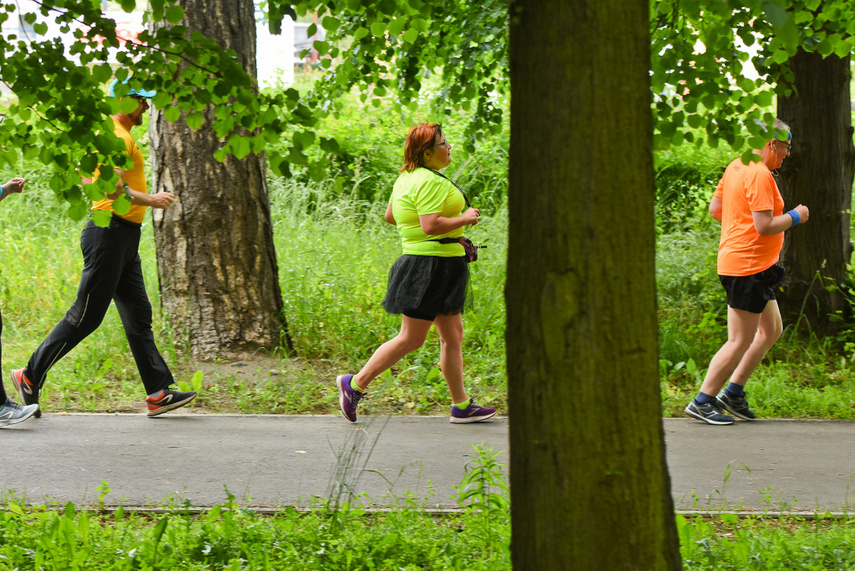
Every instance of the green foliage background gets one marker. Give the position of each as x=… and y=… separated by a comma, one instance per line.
x=334, y=251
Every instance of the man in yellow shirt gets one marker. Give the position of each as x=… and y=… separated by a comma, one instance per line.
x=112, y=271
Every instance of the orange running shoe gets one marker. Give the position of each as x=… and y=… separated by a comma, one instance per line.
x=28, y=391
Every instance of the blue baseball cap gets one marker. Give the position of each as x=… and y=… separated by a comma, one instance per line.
x=140, y=92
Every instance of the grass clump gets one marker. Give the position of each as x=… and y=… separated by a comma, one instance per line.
x=229, y=537
x=727, y=542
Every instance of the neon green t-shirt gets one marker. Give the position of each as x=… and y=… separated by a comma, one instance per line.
x=425, y=192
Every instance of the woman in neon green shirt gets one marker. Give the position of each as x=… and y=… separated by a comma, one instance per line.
x=428, y=283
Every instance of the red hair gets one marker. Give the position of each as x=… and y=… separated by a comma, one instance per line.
x=420, y=139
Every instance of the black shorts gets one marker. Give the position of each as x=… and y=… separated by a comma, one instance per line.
x=752, y=293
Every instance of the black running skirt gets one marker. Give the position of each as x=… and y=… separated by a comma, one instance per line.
x=427, y=286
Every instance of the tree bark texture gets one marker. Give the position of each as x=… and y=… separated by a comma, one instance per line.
x=215, y=252
x=590, y=487
x=818, y=174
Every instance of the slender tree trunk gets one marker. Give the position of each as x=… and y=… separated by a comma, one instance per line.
x=215, y=253
x=819, y=175
x=589, y=483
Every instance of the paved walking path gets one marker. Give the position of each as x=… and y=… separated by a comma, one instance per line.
x=268, y=461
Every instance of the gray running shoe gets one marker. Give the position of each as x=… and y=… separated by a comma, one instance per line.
x=708, y=412
x=13, y=413
x=735, y=406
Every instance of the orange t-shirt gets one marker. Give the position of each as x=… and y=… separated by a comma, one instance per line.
x=745, y=189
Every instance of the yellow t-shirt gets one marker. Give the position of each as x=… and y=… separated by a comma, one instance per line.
x=425, y=192
x=134, y=177
x=745, y=189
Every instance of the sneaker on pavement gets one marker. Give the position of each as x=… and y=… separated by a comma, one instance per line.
x=168, y=400
x=737, y=406
x=13, y=413
x=708, y=412
x=348, y=397
x=27, y=391
x=472, y=413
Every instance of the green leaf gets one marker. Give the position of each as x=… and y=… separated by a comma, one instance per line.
x=330, y=23
x=172, y=113
x=359, y=34
x=396, y=26
x=764, y=98
x=411, y=35
x=775, y=13
x=196, y=381
x=303, y=139
x=88, y=165
x=321, y=46
x=843, y=49
x=100, y=218
x=128, y=105
x=194, y=120
x=108, y=144
x=329, y=145
x=121, y=205
x=317, y=172
x=378, y=29
x=780, y=56
x=128, y=5
x=174, y=14
x=240, y=146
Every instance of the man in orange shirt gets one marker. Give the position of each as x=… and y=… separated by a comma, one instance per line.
x=112, y=271
x=751, y=211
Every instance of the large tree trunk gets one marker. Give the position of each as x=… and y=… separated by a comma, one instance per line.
x=215, y=253
x=819, y=175
x=589, y=483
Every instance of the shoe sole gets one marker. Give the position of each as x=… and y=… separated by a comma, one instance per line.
x=171, y=406
x=342, y=399
x=22, y=395
x=732, y=411
x=705, y=419
x=467, y=420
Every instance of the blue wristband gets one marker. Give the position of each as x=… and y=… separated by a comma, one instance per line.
x=794, y=214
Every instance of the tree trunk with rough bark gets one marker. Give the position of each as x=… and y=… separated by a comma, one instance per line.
x=818, y=174
x=590, y=487
x=217, y=264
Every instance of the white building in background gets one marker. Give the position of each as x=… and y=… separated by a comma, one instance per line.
x=275, y=55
